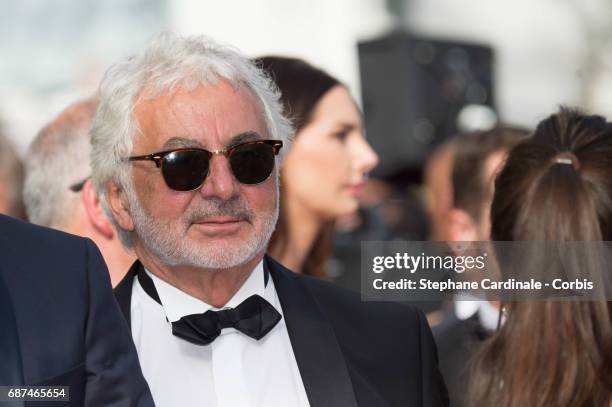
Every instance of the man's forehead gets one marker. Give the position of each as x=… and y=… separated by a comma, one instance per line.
x=210, y=116
x=182, y=142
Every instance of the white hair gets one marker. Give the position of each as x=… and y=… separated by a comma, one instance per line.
x=168, y=62
x=57, y=158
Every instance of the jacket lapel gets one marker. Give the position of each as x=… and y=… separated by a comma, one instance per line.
x=316, y=349
x=123, y=292
x=11, y=368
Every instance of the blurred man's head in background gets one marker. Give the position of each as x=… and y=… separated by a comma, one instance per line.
x=58, y=192
x=439, y=189
x=478, y=157
x=11, y=179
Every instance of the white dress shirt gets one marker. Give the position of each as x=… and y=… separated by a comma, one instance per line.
x=488, y=315
x=232, y=371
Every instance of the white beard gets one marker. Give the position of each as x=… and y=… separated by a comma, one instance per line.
x=167, y=239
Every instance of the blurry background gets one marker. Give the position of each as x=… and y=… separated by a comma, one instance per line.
x=543, y=53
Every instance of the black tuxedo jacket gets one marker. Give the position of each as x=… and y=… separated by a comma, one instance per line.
x=349, y=353
x=458, y=340
x=11, y=369
x=66, y=323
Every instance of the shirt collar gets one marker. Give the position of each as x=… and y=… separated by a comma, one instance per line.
x=177, y=303
x=488, y=315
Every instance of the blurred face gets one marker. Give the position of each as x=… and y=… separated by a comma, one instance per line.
x=493, y=166
x=5, y=202
x=324, y=169
x=223, y=223
x=7, y=196
x=439, y=190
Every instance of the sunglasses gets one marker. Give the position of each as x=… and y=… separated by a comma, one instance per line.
x=186, y=169
x=78, y=186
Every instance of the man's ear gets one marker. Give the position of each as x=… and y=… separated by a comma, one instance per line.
x=118, y=205
x=95, y=214
x=461, y=226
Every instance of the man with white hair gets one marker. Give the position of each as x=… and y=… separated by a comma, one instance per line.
x=58, y=192
x=186, y=145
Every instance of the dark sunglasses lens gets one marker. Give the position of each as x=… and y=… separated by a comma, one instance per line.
x=185, y=170
x=252, y=163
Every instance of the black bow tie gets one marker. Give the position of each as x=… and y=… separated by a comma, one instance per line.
x=254, y=317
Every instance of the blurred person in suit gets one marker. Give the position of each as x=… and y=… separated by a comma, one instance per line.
x=555, y=186
x=478, y=157
x=186, y=148
x=66, y=328
x=11, y=179
x=58, y=192
x=325, y=167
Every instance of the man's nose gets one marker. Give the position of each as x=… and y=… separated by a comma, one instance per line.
x=220, y=182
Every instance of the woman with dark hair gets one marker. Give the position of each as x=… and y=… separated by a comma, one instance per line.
x=324, y=169
x=556, y=186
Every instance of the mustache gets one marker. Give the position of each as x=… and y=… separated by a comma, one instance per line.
x=213, y=207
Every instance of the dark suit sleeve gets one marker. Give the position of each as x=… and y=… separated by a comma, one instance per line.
x=11, y=371
x=114, y=377
x=434, y=389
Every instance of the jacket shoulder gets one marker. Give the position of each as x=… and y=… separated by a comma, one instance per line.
x=349, y=313
x=330, y=295
x=21, y=234
x=33, y=248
